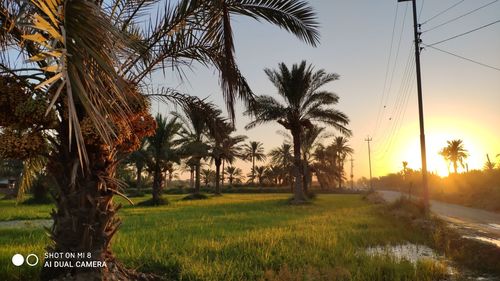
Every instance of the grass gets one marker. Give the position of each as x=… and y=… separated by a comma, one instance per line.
x=244, y=237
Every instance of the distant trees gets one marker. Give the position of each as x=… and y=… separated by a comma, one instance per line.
x=282, y=164
x=254, y=151
x=342, y=149
x=489, y=165
x=304, y=104
x=454, y=153
x=233, y=174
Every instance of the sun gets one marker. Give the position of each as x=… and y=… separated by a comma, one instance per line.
x=476, y=141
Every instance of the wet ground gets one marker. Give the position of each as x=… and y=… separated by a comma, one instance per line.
x=25, y=223
x=470, y=222
x=414, y=252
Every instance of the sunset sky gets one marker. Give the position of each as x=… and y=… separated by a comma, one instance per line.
x=461, y=99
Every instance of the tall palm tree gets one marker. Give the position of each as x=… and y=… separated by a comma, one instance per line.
x=88, y=60
x=193, y=135
x=260, y=173
x=160, y=151
x=342, y=149
x=233, y=174
x=137, y=158
x=282, y=157
x=224, y=147
x=455, y=153
x=304, y=103
x=254, y=151
x=208, y=175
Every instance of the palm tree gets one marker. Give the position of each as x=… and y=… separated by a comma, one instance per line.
x=224, y=147
x=488, y=165
x=342, y=149
x=160, y=151
x=199, y=119
x=88, y=60
x=304, y=103
x=260, y=173
x=254, y=151
x=310, y=138
x=454, y=153
x=282, y=157
x=233, y=174
x=208, y=175
x=137, y=158
x=326, y=165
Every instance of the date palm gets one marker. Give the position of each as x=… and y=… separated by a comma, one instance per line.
x=233, y=174
x=455, y=153
x=224, y=148
x=87, y=61
x=342, y=149
x=254, y=151
x=282, y=157
x=303, y=103
x=160, y=151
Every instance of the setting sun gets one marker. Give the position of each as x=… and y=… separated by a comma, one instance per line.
x=476, y=141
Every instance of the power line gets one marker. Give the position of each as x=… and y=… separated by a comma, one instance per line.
x=386, y=71
x=461, y=16
x=444, y=11
x=394, y=65
x=465, y=33
x=464, y=58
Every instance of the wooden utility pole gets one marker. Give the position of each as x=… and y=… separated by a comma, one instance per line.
x=416, y=32
x=368, y=140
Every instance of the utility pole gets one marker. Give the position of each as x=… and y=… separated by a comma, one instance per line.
x=368, y=140
x=352, y=174
x=416, y=32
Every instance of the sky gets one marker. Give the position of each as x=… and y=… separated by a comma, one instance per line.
x=370, y=45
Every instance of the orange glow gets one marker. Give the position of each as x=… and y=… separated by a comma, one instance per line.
x=477, y=141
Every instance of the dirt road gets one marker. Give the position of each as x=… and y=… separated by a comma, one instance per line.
x=482, y=225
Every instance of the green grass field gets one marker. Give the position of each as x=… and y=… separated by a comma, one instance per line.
x=241, y=237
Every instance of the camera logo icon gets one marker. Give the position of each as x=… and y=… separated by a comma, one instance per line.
x=30, y=260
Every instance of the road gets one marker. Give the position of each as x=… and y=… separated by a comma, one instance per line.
x=485, y=225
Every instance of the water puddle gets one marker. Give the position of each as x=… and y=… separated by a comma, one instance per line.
x=494, y=226
x=409, y=252
x=26, y=223
x=493, y=241
x=414, y=252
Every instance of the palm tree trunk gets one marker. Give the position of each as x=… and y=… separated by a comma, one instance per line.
x=455, y=166
x=253, y=169
x=157, y=184
x=84, y=219
x=191, y=178
x=222, y=174
x=297, y=191
x=138, y=181
x=197, y=178
x=217, y=176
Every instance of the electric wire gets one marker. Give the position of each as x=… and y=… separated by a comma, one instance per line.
x=394, y=65
x=444, y=11
x=461, y=16
x=462, y=57
x=465, y=33
x=377, y=122
x=393, y=126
